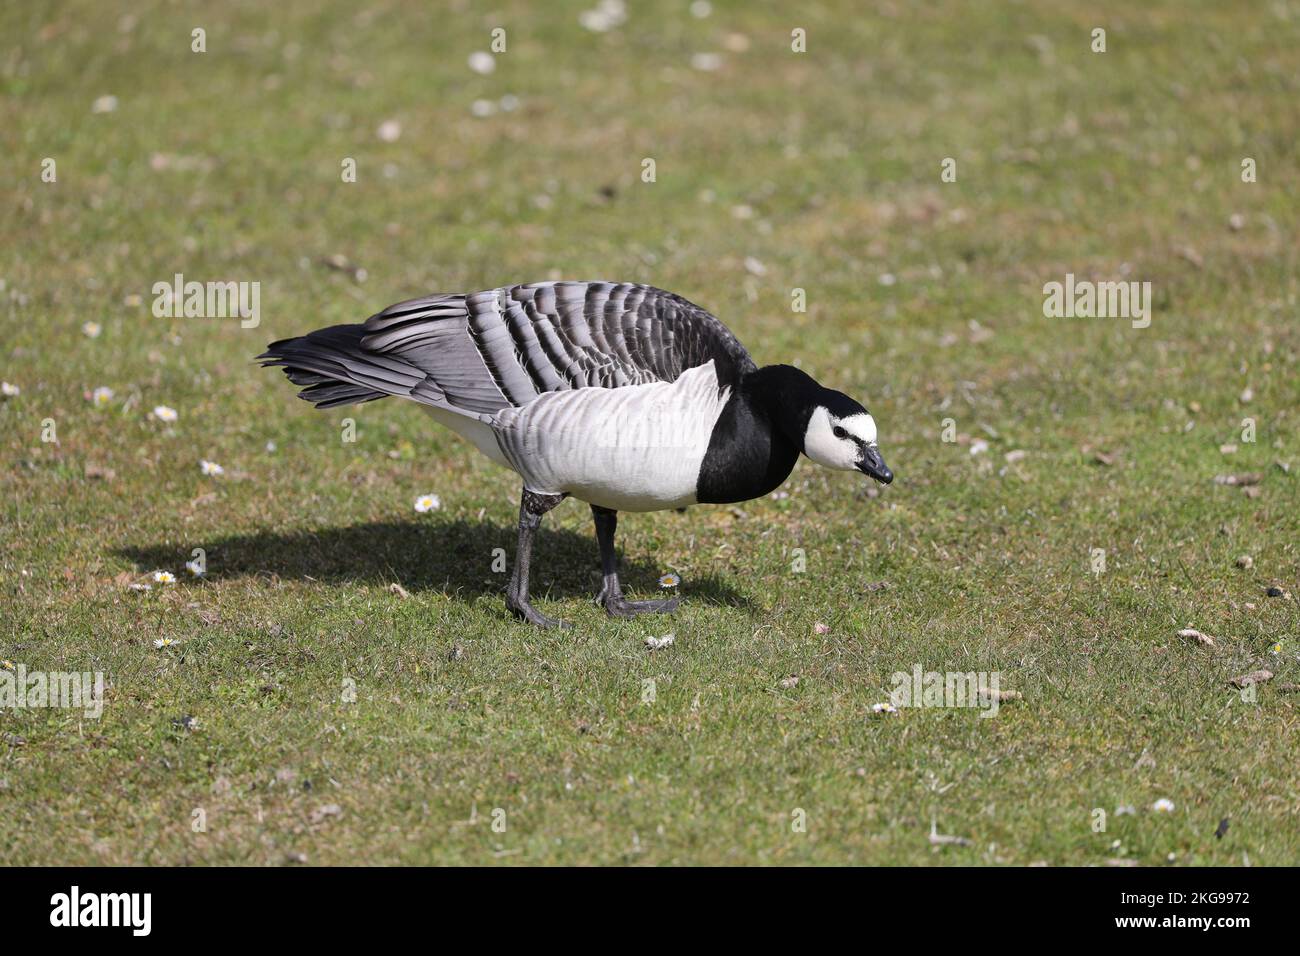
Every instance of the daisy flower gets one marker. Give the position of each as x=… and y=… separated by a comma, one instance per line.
x=91, y=330
x=1163, y=805
x=9, y=391
x=211, y=468
x=101, y=396
x=6, y=665
x=884, y=708
x=140, y=587
x=165, y=414
x=195, y=568
x=164, y=577
x=163, y=642
x=670, y=580
x=1277, y=648
x=427, y=503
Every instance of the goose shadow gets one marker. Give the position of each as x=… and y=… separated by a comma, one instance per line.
x=453, y=557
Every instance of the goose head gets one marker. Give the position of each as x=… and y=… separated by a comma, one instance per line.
x=841, y=434
x=827, y=426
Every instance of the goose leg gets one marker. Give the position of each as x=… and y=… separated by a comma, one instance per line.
x=611, y=592
x=531, y=508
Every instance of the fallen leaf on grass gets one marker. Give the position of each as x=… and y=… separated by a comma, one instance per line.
x=944, y=839
x=988, y=693
x=321, y=814
x=1239, y=481
x=1191, y=634
x=1254, y=677
x=341, y=263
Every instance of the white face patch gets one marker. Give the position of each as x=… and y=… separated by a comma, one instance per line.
x=824, y=446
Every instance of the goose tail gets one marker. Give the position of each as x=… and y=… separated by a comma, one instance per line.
x=333, y=369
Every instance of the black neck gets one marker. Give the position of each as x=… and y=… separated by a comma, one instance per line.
x=758, y=437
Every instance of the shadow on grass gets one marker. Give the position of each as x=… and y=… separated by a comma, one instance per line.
x=455, y=557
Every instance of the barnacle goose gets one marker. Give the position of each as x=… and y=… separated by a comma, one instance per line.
x=624, y=396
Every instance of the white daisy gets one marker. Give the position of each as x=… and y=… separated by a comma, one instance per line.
x=91, y=330
x=669, y=580
x=163, y=642
x=884, y=708
x=210, y=467
x=427, y=503
x=9, y=391
x=1163, y=805
x=482, y=63
x=164, y=413
x=195, y=568
x=164, y=577
x=101, y=396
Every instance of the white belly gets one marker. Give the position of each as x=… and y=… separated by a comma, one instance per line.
x=478, y=433
x=636, y=448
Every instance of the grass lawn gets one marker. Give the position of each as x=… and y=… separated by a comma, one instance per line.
x=342, y=720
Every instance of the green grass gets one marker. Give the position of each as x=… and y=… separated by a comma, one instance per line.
x=1124, y=163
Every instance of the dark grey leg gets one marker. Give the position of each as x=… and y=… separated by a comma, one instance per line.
x=611, y=592
x=531, y=508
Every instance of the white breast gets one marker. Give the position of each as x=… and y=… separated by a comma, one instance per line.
x=636, y=448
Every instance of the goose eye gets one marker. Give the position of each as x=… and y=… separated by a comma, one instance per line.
x=839, y=432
